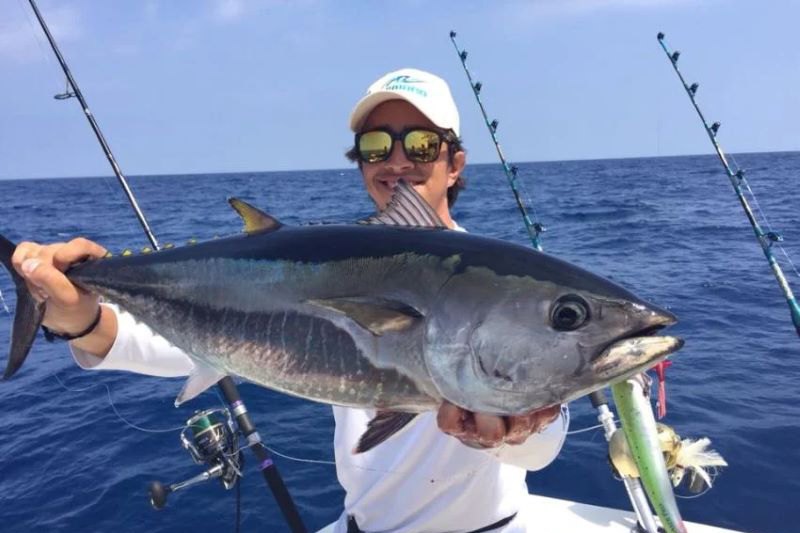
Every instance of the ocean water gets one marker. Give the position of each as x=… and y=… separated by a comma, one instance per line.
x=671, y=229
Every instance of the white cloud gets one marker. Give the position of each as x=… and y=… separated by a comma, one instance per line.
x=229, y=10
x=20, y=32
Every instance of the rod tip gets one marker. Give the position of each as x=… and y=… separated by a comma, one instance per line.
x=660, y=36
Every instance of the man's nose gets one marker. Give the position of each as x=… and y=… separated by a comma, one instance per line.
x=397, y=159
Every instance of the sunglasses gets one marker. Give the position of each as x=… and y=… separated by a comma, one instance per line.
x=421, y=145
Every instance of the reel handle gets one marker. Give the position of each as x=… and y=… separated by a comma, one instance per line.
x=159, y=492
x=158, y=495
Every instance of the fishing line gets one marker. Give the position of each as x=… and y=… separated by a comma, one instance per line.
x=584, y=430
x=301, y=460
x=39, y=43
x=114, y=407
x=3, y=301
x=789, y=259
x=763, y=215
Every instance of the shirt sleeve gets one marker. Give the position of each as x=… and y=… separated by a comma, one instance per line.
x=137, y=349
x=540, y=449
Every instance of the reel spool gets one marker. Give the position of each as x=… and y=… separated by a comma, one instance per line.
x=211, y=439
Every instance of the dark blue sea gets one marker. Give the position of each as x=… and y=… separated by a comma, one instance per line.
x=671, y=229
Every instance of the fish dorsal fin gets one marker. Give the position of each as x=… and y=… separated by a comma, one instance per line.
x=254, y=219
x=384, y=425
x=406, y=208
x=378, y=315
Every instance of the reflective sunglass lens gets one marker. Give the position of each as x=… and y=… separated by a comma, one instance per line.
x=421, y=146
x=374, y=146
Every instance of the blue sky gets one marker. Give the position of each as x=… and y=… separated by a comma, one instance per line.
x=246, y=85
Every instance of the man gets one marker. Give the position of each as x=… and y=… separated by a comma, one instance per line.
x=422, y=479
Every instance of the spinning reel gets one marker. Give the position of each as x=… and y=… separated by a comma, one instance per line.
x=211, y=439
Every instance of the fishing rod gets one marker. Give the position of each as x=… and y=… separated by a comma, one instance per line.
x=210, y=439
x=535, y=229
x=738, y=181
x=633, y=486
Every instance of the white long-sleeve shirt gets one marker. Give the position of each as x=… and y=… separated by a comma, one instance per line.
x=418, y=480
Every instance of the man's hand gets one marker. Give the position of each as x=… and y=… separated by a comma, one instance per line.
x=488, y=431
x=69, y=309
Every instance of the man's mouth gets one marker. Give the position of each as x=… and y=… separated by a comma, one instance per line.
x=389, y=183
x=392, y=181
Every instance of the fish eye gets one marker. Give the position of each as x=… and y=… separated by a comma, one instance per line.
x=569, y=313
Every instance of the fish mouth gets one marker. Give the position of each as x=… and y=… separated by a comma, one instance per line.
x=645, y=349
x=638, y=351
x=652, y=324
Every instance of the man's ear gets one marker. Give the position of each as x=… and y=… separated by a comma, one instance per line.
x=456, y=168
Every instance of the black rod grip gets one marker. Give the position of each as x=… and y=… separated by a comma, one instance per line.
x=598, y=398
x=265, y=463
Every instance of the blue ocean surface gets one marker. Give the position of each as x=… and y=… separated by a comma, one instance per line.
x=671, y=229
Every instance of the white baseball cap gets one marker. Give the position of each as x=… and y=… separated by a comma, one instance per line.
x=430, y=94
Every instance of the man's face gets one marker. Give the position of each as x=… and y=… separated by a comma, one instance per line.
x=430, y=180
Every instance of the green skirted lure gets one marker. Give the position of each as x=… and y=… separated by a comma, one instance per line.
x=641, y=433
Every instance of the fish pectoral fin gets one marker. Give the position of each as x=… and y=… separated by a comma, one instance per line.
x=255, y=220
x=378, y=315
x=384, y=425
x=202, y=378
x=406, y=208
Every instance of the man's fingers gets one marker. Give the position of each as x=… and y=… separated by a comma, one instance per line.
x=25, y=251
x=42, y=267
x=50, y=281
x=490, y=429
x=450, y=419
x=519, y=429
x=522, y=427
x=76, y=250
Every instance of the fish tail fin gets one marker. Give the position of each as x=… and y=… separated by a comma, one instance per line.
x=27, y=318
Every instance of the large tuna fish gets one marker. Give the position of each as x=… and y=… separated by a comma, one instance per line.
x=395, y=313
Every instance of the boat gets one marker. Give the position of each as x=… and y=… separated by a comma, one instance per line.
x=554, y=515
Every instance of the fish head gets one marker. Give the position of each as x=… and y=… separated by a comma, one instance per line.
x=510, y=343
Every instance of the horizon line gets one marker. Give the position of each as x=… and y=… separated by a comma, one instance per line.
x=340, y=169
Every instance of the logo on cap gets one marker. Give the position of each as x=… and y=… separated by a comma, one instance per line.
x=405, y=83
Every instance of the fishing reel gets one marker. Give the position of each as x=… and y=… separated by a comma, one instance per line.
x=211, y=439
